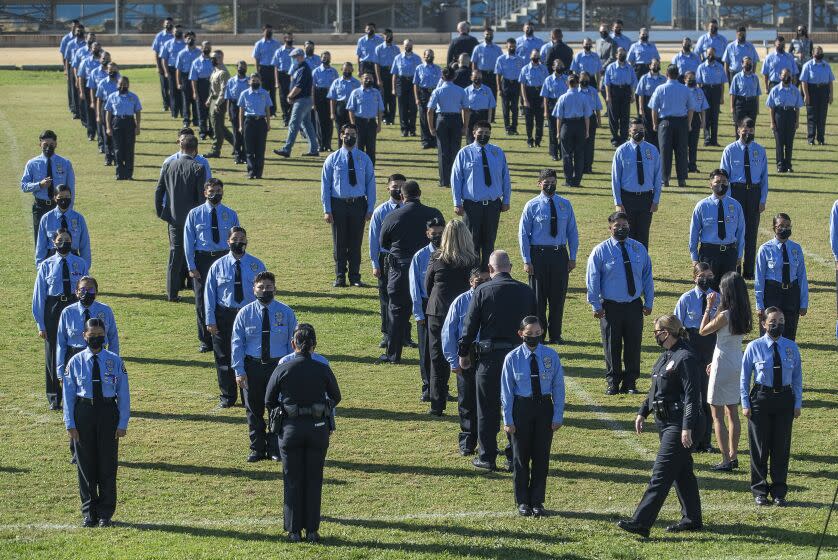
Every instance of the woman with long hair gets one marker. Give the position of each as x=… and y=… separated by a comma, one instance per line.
x=732, y=320
x=447, y=277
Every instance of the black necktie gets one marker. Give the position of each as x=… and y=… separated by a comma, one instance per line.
x=703, y=302
x=747, y=167
x=65, y=273
x=641, y=178
x=97, y=379
x=86, y=315
x=216, y=236
x=353, y=178
x=722, y=228
x=629, y=273
x=487, y=173
x=266, y=335
x=535, y=377
x=778, y=366
x=238, y=290
x=786, y=265
x=64, y=221
x=51, y=187
x=554, y=219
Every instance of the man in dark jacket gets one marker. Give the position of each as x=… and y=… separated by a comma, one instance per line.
x=462, y=43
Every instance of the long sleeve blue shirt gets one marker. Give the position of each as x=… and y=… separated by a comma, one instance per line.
x=516, y=380
x=247, y=333
x=36, y=171
x=220, y=283
x=688, y=308
x=733, y=161
x=758, y=366
x=704, y=226
x=50, y=282
x=334, y=181
x=624, y=170
x=606, y=274
x=452, y=328
x=197, y=231
x=71, y=329
x=378, y=216
x=769, y=266
x=468, y=182
x=534, y=226
x=78, y=383
x=76, y=225
x=416, y=277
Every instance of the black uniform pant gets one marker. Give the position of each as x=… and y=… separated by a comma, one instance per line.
x=387, y=96
x=534, y=114
x=474, y=117
x=407, y=105
x=164, y=89
x=618, y=113
x=573, y=150
x=124, y=139
x=467, y=406
x=549, y=282
x=482, y=219
x=220, y=130
x=440, y=372
x=590, y=144
x=622, y=336
x=91, y=123
x=39, y=208
x=424, y=352
x=787, y=298
x=531, y=448
x=400, y=305
x=384, y=298
x=721, y=258
x=224, y=318
x=303, y=450
x=673, y=136
x=347, y=233
x=428, y=141
x=713, y=93
x=258, y=374
x=510, y=92
x=203, y=87
x=638, y=207
x=769, y=437
x=53, y=306
x=101, y=131
x=81, y=100
x=695, y=130
x=552, y=133
x=748, y=197
x=816, y=112
x=203, y=261
x=177, y=268
x=238, y=133
x=175, y=96
x=703, y=347
x=673, y=466
x=284, y=86
x=786, y=120
x=255, y=139
x=71, y=104
x=449, y=133
x=107, y=141
x=190, y=105
x=341, y=118
x=96, y=456
x=267, y=73
x=324, y=118
x=651, y=135
x=367, y=134
x=487, y=384
x=743, y=107
x=491, y=82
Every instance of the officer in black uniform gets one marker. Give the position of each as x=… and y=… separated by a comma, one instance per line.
x=402, y=234
x=496, y=311
x=302, y=393
x=675, y=397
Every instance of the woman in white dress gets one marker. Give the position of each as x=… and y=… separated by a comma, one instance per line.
x=730, y=323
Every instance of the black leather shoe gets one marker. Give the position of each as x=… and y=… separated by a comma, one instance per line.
x=212, y=155
x=294, y=536
x=611, y=390
x=633, y=527
x=255, y=457
x=483, y=465
x=276, y=458
x=88, y=522
x=312, y=536
x=722, y=467
x=203, y=348
x=282, y=153
x=762, y=501
x=684, y=526
x=411, y=343
x=359, y=284
x=433, y=412
x=632, y=391
x=780, y=502
x=385, y=359
x=105, y=522
x=524, y=510
x=538, y=510
x=340, y=283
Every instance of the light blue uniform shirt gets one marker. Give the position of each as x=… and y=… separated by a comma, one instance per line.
x=70, y=48
x=385, y=54
x=76, y=225
x=480, y=99
x=247, y=333
x=468, y=181
x=87, y=66
x=161, y=39
x=365, y=49
x=323, y=76
x=452, y=328
x=264, y=51
x=36, y=170
x=648, y=83
x=198, y=158
x=534, y=226
x=282, y=59
x=405, y=64
x=784, y=97
x=686, y=62
x=95, y=76
x=621, y=41
x=710, y=74
x=815, y=72
x=378, y=216
x=704, y=227
x=255, y=103
x=234, y=88
x=78, y=384
x=594, y=102
x=769, y=266
x=79, y=56
x=515, y=380
x=525, y=45
x=699, y=99
x=341, y=88
x=717, y=41
x=123, y=104
x=624, y=170
x=62, y=46
x=745, y=85
x=427, y=75
x=508, y=66
x=733, y=161
x=71, y=329
x=334, y=182
x=171, y=50
x=642, y=53
x=833, y=230
x=484, y=56
x=735, y=52
x=448, y=98
x=220, y=283
x=201, y=69
x=533, y=75
x=606, y=274
x=313, y=61
x=672, y=99
x=50, y=282
x=573, y=104
x=688, y=308
x=775, y=63
x=185, y=58
x=758, y=365
x=416, y=277
x=197, y=231
x=586, y=62
x=365, y=103
x=554, y=86
x=620, y=75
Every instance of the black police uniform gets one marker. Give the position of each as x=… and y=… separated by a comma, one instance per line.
x=675, y=397
x=305, y=391
x=496, y=311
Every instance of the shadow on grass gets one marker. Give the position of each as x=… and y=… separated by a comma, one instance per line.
x=12, y=470
x=141, y=295
x=166, y=361
x=178, y=417
x=205, y=470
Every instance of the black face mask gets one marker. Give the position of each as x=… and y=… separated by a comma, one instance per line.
x=123, y=89
x=269, y=34
x=63, y=247
x=396, y=195
x=350, y=141
x=621, y=234
x=408, y=49
x=711, y=58
x=429, y=60
x=326, y=63
x=638, y=136
x=241, y=72
x=436, y=240
x=621, y=58
x=644, y=38
x=776, y=331
x=48, y=150
x=691, y=83
x=63, y=203
x=367, y=84
x=347, y=75
x=309, y=51
x=477, y=83
x=215, y=198
x=113, y=75
x=238, y=248
x=786, y=81
x=819, y=57
x=587, y=48
x=747, y=137
x=747, y=68
x=482, y=139
x=266, y=297
x=531, y=341
x=784, y=233
x=190, y=42
x=255, y=85
x=584, y=83
x=720, y=190
x=534, y=60
x=370, y=34
x=603, y=34
x=289, y=42
x=87, y=298
x=704, y=283
x=549, y=190
x=179, y=36
x=206, y=52
x=96, y=342
x=687, y=49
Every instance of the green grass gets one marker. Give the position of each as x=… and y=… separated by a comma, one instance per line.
x=395, y=486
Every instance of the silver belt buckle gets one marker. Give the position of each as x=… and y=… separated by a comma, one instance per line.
x=722, y=248
x=485, y=202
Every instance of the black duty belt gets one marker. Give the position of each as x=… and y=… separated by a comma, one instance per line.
x=315, y=411
x=365, y=119
x=723, y=248
x=745, y=186
x=42, y=202
x=555, y=248
x=225, y=308
x=88, y=400
x=481, y=202
x=220, y=253
x=746, y=97
x=758, y=387
x=538, y=400
x=624, y=192
x=253, y=117
x=667, y=410
x=673, y=117
x=573, y=119
x=272, y=361
x=789, y=109
x=350, y=199
x=782, y=285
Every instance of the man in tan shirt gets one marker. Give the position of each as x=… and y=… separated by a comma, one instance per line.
x=218, y=105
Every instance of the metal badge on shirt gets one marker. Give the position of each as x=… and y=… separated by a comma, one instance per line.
x=278, y=319
x=254, y=267
x=548, y=365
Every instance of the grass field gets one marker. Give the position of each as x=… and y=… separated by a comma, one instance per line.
x=395, y=486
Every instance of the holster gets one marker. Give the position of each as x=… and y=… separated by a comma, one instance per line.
x=275, y=419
